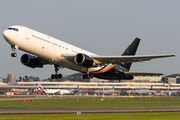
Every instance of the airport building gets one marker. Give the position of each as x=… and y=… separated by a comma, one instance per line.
x=11, y=77
x=31, y=88
x=172, y=79
x=139, y=82
x=149, y=78
x=1, y=79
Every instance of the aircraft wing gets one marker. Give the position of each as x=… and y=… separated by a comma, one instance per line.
x=119, y=59
x=128, y=58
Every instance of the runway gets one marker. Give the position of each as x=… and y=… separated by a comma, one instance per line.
x=88, y=110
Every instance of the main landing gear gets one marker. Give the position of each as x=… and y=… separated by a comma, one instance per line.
x=87, y=76
x=56, y=76
x=13, y=49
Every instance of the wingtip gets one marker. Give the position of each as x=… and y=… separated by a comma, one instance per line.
x=173, y=54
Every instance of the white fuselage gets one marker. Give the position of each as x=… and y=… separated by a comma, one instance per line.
x=51, y=91
x=44, y=46
x=64, y=91
x=107, y=91
x=143, y=91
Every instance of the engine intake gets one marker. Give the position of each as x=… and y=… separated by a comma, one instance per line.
x=84, y=60
x=30, y=61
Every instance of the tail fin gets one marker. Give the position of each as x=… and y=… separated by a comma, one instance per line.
x=41, y=88
x=178, y=91
x=77, y=89
x=131, y=50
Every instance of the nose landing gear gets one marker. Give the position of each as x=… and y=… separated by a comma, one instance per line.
x=13, y=54
x=14, y=50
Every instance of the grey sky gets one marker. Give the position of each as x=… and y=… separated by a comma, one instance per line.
x=105, y=27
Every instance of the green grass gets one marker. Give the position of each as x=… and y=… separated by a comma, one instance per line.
x=4, y=97
x=97, y=116
x=89, y=102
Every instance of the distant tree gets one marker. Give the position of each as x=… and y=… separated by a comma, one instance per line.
x=26, y=79
x=20, y=78
x=36, y=79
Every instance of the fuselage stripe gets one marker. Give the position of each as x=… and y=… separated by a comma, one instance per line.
x=104, y=70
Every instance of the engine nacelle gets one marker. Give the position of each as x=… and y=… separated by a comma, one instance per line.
x=84, y=60
x=30, y=61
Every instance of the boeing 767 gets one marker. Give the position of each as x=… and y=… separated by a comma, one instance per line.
x=43, y=49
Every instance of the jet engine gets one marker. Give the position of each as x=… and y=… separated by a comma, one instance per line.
x=30, y=61
x=84, y=60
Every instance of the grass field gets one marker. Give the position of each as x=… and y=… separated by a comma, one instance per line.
x=96, y=116
x=92, y=102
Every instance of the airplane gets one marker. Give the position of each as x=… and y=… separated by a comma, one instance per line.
x=73, y=91
x=108, y=91
x=48, y=91
x=172, y=91
x=42, y=50
x=147, y=91
x=61, y=91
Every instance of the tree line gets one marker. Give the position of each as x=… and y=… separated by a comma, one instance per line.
x=29, y=79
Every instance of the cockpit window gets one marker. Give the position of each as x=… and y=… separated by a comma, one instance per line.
x=15, y=29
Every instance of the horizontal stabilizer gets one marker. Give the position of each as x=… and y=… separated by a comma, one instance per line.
x=142, y=73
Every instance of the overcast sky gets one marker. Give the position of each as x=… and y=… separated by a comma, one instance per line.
x=104, y=27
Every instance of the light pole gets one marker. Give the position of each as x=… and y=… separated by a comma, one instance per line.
x=103, y=91
x=169, y=90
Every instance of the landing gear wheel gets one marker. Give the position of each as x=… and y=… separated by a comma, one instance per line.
x=84, y=76
x=60, y=76
x=56, y=76
x=52, y=76
x=91, y=75
x=87, y=76
x=13, y=54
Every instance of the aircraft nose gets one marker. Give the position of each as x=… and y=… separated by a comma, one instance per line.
x=6, y=34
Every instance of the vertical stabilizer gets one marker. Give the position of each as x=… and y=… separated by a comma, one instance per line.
x=77, y=89
x=131, y=50
x=41, y=88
